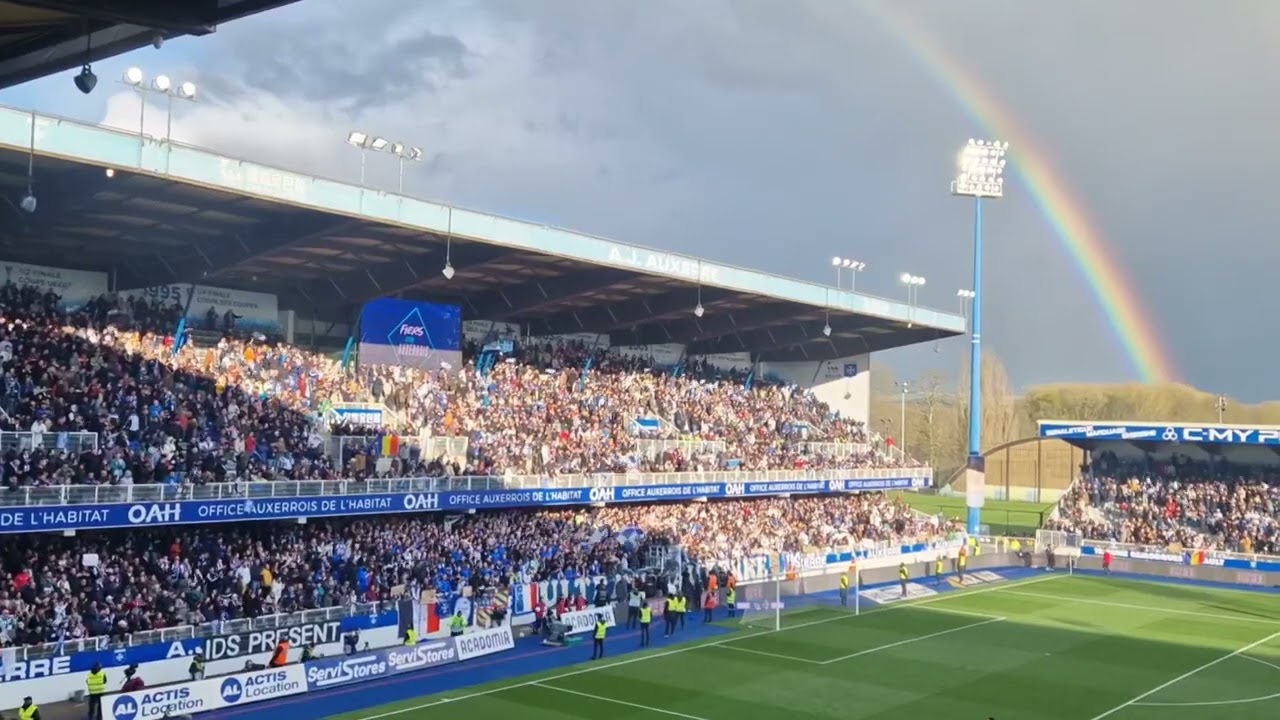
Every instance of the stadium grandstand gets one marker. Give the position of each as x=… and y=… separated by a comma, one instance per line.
x=250, y=417
x=185, y=341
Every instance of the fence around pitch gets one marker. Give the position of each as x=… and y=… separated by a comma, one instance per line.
x=187, y=632
x=1174, y=562
x=100, y=494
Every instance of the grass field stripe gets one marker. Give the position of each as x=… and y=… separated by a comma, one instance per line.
x=911, y=640
x=780, y=656
x=615, y=701
x=686, y=648
x=1144, y=608
x=1186, y=675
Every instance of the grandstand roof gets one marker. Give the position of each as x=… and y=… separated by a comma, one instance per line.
x=40, y=37
x=176, y=214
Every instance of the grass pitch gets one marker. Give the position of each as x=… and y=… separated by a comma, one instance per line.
x=1004, y=517
x=1066, y=648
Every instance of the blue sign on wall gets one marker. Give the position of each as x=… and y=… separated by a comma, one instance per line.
x=83, y=661
x=412, y=334
x=1203, y=434
x=51, y=518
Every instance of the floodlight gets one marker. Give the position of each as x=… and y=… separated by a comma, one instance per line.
x=357, y=138
x=28, y=203
x=86, y=81
x=187, y=91
x=379, y=144
x=133, y=76
x=918, y=281
x=415, y=153
x=835, y=261
x=111, y=172
x=905, y=278
x=162, y=83
x=856, y=266
x=699, y=311
x=826, y=329
x=397, y=149
x=448, y=271
x=966, y=294
x=981, y=169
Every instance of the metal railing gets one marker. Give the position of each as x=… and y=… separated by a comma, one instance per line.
x=103, y=494
x=189, y=632
x=650, y=448
x=72, y=442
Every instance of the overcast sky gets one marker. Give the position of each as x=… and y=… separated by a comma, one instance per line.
x=776, y=133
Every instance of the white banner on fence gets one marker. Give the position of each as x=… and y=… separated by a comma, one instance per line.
x=205, y=695
x=254, y=310
x=580, y=621
x=489, y=330
x=76, y=287
x=485, y=642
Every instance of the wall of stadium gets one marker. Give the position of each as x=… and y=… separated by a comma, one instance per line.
x=58, y=688
x=844, y=384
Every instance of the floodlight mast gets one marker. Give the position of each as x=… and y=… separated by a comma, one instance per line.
x=364, y=142
x=980, y=175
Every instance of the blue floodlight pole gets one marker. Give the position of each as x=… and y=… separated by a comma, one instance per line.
x=981, y=176
x=974, y=520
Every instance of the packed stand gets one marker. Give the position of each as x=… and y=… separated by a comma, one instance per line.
x=247, y=408
x=152, y=578
x=1175, y=503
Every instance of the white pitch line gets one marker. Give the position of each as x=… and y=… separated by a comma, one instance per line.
x=911, y=640
x=616, y=701
x=1184, y=676
x=780, y=656
x=1144, y=608
x=686, y=648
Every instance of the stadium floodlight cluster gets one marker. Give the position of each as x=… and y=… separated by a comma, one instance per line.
x=364, y=141
x=981, y=169
x=853, y=266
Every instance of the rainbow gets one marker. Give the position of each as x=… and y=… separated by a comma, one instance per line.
x=1076, y=232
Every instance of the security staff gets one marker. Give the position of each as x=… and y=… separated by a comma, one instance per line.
x=646, y=618
x=903, y=577
x=597, y=646
x=669, y=616
x=844, y=590
x=411, y=637
x=457, y=624
x=937, y=571
x=309, y=653
x=731, y=598
x=633, y=607
x=280, y=656
x=962, y=562
x=96, y=683
x=196, y=668
x=29, y=710
x=708, y=605
x=682, y=608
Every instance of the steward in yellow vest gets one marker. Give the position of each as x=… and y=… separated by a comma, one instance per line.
x=597, y=645
x=96, y=683
x=29, y=710
x=646, y=618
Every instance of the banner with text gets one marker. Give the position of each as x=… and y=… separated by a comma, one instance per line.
x=252, y=311
x=205, y=695
x=48, y=518
x=412, y=334
x=74, y=287
x=581, y=621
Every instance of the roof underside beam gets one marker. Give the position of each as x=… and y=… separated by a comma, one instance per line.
x=205, y=260
x=711, y=326
x=630, y=314
x=392, y=278
x=529, y=298
x=193, y=17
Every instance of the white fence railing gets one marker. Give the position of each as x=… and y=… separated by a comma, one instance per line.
x=100, y=494
x=72, y=442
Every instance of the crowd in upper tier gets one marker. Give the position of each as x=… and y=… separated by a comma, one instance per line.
x=1176, y=502
x=160, y=577
x=248, y=408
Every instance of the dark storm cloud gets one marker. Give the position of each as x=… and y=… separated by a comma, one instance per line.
x=775, y=133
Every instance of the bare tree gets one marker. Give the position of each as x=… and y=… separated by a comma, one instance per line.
x=937, y=440
x=1000, y=411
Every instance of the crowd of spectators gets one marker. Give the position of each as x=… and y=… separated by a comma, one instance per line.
x=1178, y=502
x=117, y=583
x=251, y=408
